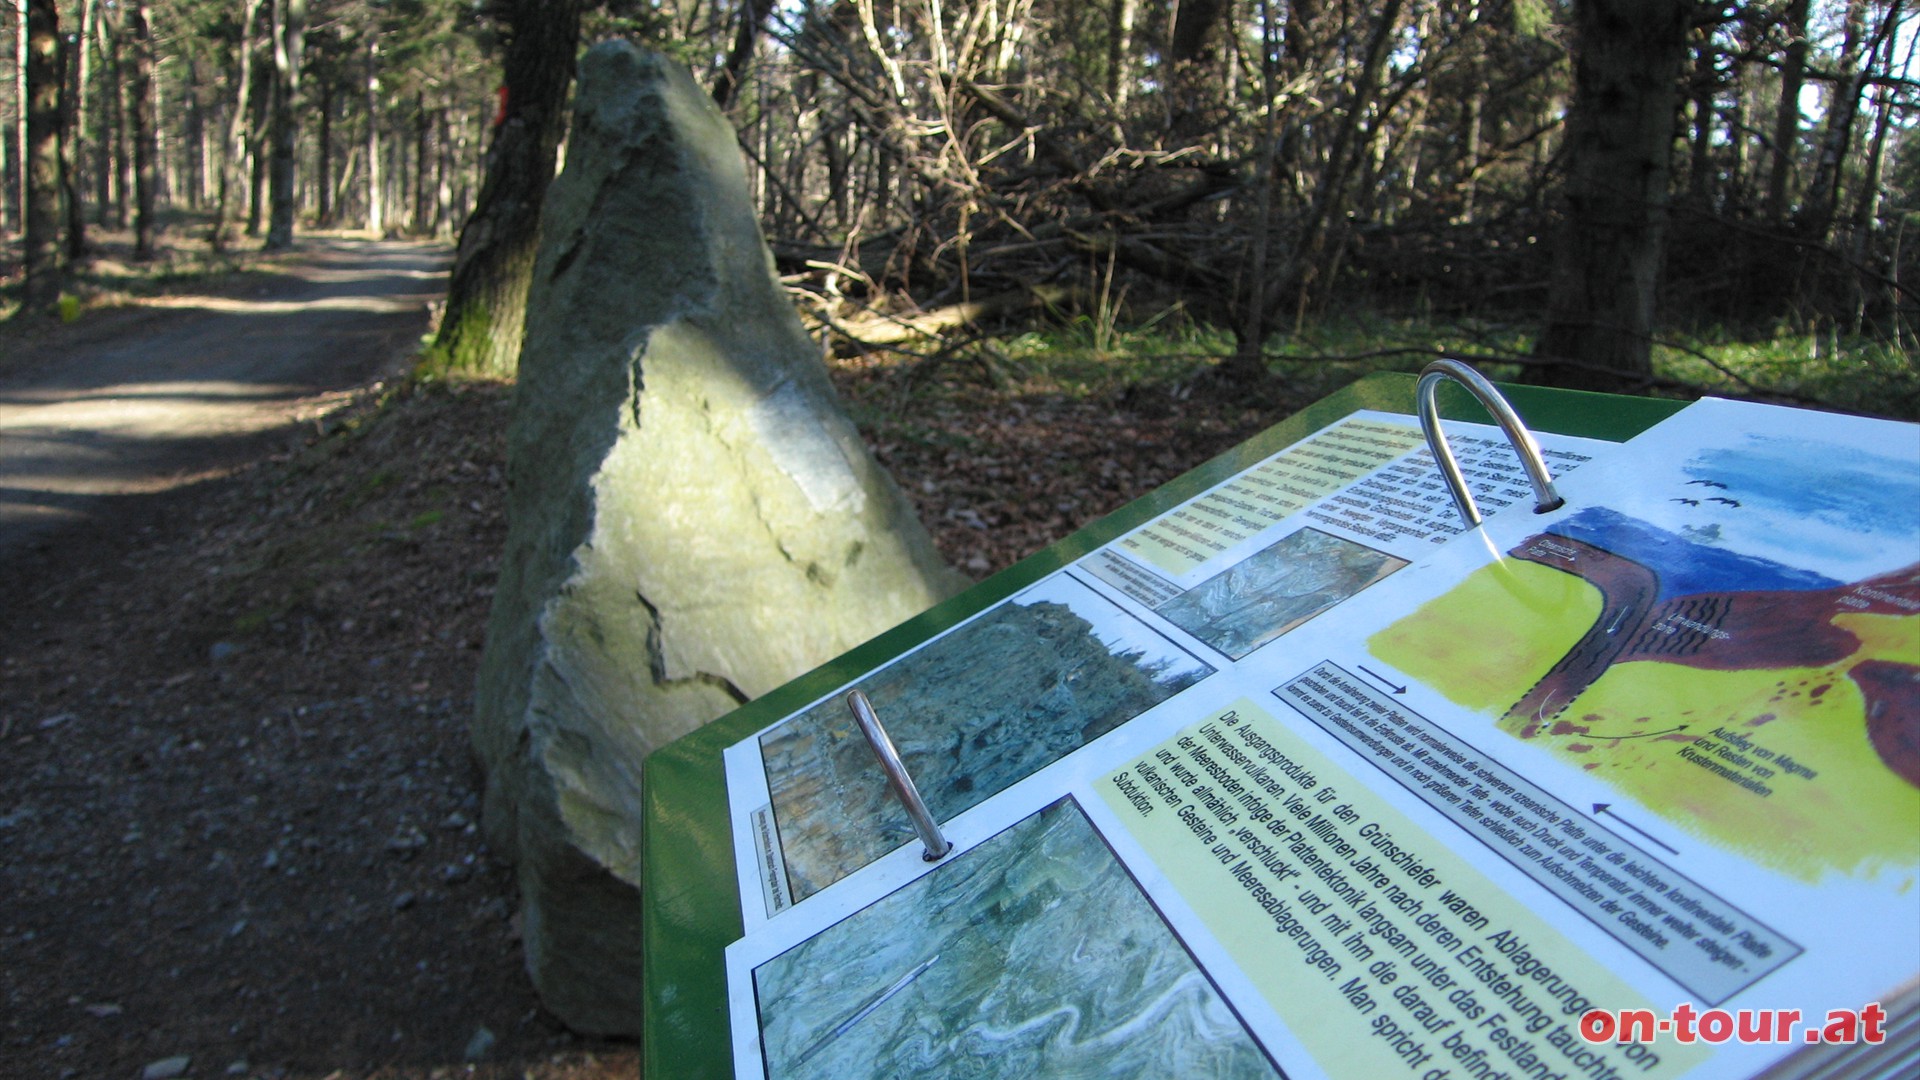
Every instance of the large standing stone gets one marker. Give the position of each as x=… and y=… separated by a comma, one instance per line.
x=693, y=521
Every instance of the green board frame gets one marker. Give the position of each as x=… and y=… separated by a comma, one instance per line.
x=690, y=901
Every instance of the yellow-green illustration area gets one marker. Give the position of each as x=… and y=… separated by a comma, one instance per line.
x=1493, y=636
x=1774, y=764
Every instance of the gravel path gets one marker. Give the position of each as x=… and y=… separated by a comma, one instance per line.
x=196, y=389
x=241, y=606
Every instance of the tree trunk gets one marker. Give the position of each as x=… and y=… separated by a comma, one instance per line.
x=1249, y=361
x=1837, y=142
x=487, y=296
x=1620, y=128
x=74, y=151
x=323, y=165
x=234, y=161
x=1298, y=273
x=71, y=114
x=345, y=179
x=165, y=175
x=107, y=164
x=421, y=127
x=140, y=126
x=1120, y=27
x=1470, y=189
x=6, y=213
x=193, y=142
x=1700, y=161
x=442, y=172
x=1738, y=201
x=20, y=109
x=289, y=43
x=1197, y=72
x=376, y=223
x=726, y=86
x=41, y=158
x=1786, y=124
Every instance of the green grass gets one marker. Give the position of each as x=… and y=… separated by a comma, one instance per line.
x=1082, y=357
x=1843, y=372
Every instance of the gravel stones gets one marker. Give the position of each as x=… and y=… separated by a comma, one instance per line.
x=167, y=1068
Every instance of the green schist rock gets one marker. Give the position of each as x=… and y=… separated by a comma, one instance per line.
x=693, y=520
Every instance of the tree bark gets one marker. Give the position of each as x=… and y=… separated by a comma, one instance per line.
x=1786, y=124
x=376, y=223
x=422, y=128
x=1700, y=161
x=73, y=148
x=73, y=117
x=1620, y=129
x=233, y=164
x=20, y=108
x=1123, y=17
x=109, y=159
x=140, y=124
x=6, y=212
x=289, y=45
x=487, y=296
x=726, y=86
x=323, y=166
x=1837, y=142
x=41, y=157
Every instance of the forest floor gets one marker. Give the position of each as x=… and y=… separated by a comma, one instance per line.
x=237, y=805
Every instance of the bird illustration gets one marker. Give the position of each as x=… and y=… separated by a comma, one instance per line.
x=1710, y=483
x=1688, y=502
x=1721, y=499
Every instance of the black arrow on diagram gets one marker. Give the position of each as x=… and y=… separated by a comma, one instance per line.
x=1383, y=680
x=1601, y=808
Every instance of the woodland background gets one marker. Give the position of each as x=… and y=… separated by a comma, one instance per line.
x=1059, y=252
x=1616, y=194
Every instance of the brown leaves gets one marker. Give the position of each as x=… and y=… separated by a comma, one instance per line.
x=999, y=474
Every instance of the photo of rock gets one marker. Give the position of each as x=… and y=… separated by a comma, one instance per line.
x=1034, y=954
x=1268, y=594
x=991, y=702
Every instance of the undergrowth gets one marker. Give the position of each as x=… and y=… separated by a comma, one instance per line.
x=1081, y=357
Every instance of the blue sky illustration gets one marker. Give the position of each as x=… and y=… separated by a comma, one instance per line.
x=1684, y=566
x=1810, y=504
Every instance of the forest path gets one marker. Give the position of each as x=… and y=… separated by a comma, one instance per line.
x=195, y=386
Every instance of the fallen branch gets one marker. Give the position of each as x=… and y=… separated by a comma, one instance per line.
x=879, y=329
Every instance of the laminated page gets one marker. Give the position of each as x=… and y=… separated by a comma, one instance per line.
x=1044, y=673
x=1627, y=789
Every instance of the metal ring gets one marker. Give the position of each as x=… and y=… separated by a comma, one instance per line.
x=1545, y=496
x=898, y=777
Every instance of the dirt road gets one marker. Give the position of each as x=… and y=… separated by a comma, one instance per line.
x=237, y=807
x=89, y=434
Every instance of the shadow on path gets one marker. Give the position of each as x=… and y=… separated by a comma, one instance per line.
x=94, y=439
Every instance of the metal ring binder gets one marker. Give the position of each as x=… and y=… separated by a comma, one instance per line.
x=898, y=777
x=1545, y=497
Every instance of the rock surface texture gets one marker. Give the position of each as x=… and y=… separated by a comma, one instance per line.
x=693, y=520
